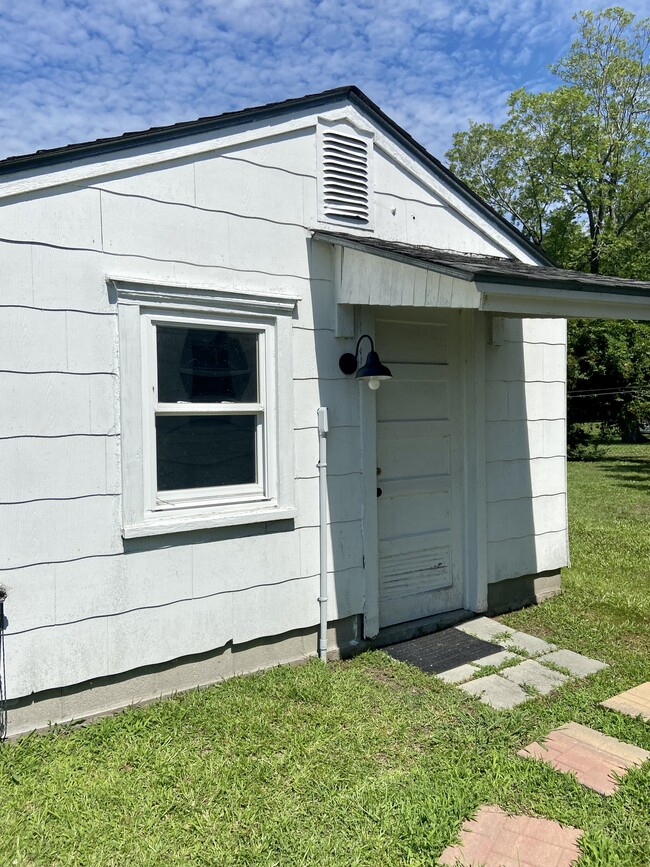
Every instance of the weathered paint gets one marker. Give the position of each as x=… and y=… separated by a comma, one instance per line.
x=235, y=214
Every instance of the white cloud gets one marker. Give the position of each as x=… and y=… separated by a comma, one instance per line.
x=75, y=70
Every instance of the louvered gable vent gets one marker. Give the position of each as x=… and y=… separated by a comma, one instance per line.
x=345, y=178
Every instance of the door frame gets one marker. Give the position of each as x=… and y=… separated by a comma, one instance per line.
x=473, y=506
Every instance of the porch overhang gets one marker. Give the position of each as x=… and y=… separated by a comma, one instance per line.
x=370, y=271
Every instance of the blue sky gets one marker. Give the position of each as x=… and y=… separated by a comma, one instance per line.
x=75, y=70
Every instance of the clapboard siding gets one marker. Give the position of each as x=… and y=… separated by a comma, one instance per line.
x=341, y=396
x=55, y=404
x=317, y=353
x=16, y=276
x=293, y=153
x=535, y=331
x=516, y=440
x=42, y=658
x=152, y=229
x=37, y=468
x=344, y=548
x=84, y=603
x=69, y=279
x=67, y=341
x=522, y=479
x=146, y=579
x=176, y=233
x=100, y=646
x=69, y=218
x=343, y=451
x=171, y=182
x=531, y=400
x=51, y=530
x=250, y=189
x=135, y=636
x=514, y=519
x=526, y=442
x=51, y=278
x=345, y=499
x=527, y=556
x=420, y=217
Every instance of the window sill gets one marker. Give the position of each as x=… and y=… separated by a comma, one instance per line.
x=205, y=520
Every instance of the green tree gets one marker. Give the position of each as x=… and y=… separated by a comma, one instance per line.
x=570, y=167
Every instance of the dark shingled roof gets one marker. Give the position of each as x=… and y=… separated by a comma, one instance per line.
x=349, y=93
x=488, y=269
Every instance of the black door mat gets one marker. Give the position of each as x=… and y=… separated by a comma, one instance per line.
x=441, y=651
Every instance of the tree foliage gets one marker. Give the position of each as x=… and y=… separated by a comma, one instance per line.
x=571, y=168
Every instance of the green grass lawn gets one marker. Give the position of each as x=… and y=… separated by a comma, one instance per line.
x=367, y=762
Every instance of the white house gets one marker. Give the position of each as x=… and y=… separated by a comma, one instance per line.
x=173, y=307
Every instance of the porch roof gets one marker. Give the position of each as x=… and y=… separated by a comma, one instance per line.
x=494, y=284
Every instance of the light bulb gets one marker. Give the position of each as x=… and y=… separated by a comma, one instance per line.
x=374, y=384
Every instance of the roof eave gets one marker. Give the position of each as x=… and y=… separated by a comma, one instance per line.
x=351, y=93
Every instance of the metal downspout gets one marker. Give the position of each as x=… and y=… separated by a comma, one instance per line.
x=323, y=428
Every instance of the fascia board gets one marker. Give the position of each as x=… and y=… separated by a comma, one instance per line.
x=545, y=301
x=153, y=153
x=449, y=270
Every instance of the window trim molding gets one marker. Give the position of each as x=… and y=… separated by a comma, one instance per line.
x=138, y=303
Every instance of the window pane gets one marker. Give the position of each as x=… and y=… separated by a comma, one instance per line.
x=203, y=365
x=205, y=451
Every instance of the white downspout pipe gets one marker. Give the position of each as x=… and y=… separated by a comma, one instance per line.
x=323, y=427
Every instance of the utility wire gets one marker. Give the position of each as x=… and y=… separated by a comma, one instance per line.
x=597, y=392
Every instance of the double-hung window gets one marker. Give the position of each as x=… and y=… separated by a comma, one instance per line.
x=205, y=435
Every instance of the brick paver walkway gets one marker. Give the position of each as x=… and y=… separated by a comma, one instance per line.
x=595, y=759
x=495, y=839
x=633, y=702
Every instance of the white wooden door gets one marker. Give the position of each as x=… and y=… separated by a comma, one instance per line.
x=418, y=468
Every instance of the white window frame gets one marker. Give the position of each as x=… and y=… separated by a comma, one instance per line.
x=141, y=307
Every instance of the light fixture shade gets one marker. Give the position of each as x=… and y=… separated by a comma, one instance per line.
x=372, y=372
x=373, y=368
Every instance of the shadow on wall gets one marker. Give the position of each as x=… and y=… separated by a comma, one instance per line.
x=526, y=471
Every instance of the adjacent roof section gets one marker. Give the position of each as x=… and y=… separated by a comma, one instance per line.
x=102, y=147
x=502, y=286
x=489, y=269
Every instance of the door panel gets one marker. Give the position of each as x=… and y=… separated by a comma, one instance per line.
x=418, y=449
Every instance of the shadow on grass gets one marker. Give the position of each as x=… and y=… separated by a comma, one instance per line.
x=628, y=471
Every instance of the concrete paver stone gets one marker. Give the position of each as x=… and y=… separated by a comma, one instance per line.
x=485, y=628
x=459, y=674
x=633, y=702
x=495, y=658
x=529, y=643
x=531, y=673
x=575, y=663
x=495, y=691
x=495, y=839
x=595, y=759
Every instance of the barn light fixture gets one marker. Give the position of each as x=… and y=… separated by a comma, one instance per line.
x=372, y=372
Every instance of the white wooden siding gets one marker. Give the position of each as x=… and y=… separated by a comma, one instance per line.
x=42, y=467
x=71, y=220
x=71, y=578
x=66, y=341
x=82, y=602
x=56, y=404
x=407, y=210
x=526, y=442
x=369, y=279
